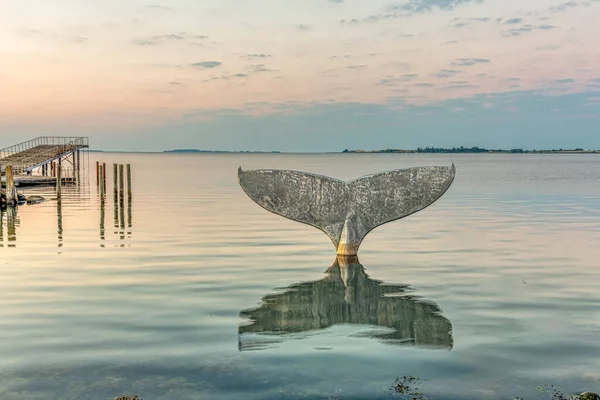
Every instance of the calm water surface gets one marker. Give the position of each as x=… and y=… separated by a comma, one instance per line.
x=194, y=292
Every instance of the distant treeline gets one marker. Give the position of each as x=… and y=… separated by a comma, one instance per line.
x=463, y=149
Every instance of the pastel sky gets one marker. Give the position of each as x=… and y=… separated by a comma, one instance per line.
x=310, y=75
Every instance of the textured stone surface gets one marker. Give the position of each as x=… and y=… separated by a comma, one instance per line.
x=346, y=211
x=347, y=295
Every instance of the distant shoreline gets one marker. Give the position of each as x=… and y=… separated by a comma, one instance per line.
x=474, y=150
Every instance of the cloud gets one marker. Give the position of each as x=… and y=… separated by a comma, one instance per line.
x=526, y=29
x=227, y=77
x=518, y=31
x=168, y=38
x=566, y=6
x=261, y=55
x=259, y=68
x=424, y=85
x=207, y=64
x=337, y=1
x=564, y=81
x=548, y=47
x=513, y=21
x=446, y=73
x=460, y=86
x=28, y=33
x=158, y=7
x=157, y=39
x=409, y=8
x=173, y=83
x=463, y=22
x=420, y=6
x=362, y=66
x=303, y=27
x=468, y=62
x=353, y=21
x=394, y=81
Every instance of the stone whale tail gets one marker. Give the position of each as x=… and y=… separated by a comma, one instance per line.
x=346, y=211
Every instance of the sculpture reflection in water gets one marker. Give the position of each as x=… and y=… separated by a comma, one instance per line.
x=347, y=295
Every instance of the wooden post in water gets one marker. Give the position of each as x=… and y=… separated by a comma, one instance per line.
x=97, y=173
x=101, y=179
x=121, y=180
x=104, y=175
x=129, y=182
x=11, y=192
x=58, y=180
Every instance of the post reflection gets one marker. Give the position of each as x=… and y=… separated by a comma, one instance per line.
x=59, y=225
x=102, y=227
x=1, y=227
x=347, y=295
x=11, y=226
x=122, y=219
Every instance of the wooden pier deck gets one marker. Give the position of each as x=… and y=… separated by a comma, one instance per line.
x=35, y=161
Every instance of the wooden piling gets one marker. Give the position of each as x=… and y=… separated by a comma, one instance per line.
x=58, y=180
x=11, y=191
x=129, y=182
x=97, y=173
x=104, y=175
x=101, y=180
x=121, y=180
x=115, y=181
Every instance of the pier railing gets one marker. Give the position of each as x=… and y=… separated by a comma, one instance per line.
x=28, y=155
x=43, y=141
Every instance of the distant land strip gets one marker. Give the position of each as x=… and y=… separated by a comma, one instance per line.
x=477, y=150
x=466, y=150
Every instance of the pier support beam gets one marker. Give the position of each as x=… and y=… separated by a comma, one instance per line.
x=59, y=180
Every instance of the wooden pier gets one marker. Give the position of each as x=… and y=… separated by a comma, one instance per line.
x=38, y=161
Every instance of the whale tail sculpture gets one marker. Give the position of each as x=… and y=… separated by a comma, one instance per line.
x=346, y=211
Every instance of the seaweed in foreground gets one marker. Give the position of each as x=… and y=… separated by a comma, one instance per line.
x=407, y=388
x=128, y=398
